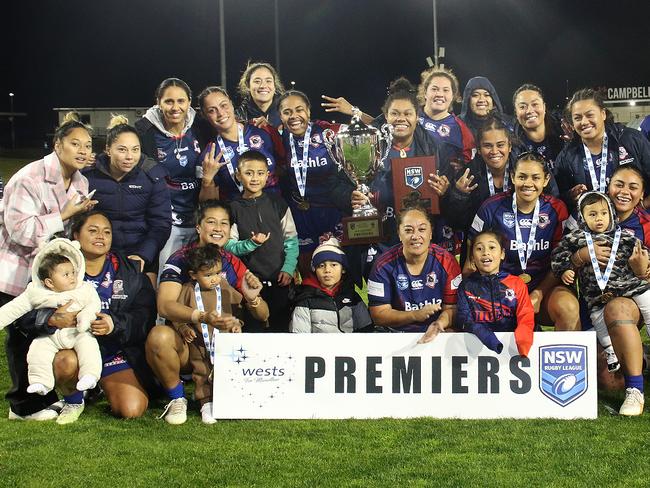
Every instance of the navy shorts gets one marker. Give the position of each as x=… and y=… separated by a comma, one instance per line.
x=115, y=363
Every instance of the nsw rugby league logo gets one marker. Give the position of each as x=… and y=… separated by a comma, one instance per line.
x=413, y=176
x=563, y=372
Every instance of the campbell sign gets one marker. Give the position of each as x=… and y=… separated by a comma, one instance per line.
x=628, y=92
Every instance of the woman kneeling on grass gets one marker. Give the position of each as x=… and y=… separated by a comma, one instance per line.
x=167, y=350
x=412, y=286
x=128, y=311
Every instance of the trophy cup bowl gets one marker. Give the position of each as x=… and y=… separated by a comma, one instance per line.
x=359, y=151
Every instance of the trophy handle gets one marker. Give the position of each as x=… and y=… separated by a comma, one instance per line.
x=386, y=137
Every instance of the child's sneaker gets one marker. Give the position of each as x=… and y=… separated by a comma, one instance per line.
x=86, y=382
x=206, y=414
x=70, y=413
x=612, y=360
x=175, y=412
x=633, y=403
x=38, y=388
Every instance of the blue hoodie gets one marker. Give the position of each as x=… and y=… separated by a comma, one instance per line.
x=466, y=115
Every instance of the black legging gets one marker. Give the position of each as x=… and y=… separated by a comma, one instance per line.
x=16, y=347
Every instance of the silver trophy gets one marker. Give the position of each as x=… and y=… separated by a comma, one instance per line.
x=361, y=150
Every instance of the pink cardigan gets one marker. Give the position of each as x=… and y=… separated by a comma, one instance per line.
x=30, y=215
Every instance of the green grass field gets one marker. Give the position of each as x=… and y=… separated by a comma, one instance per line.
x=8, y=166
x=99, y=450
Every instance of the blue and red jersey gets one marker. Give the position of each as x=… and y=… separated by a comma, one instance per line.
x=390, y=282
x=499, y=302
x=175, y=269
x=103, y=282
x=453, y=132
x=321, y=167
x=264, y=140
x=496, y=213
x=638, y=224
x=180, y=156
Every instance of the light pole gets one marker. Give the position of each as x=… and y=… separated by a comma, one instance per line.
x=11, y=120
x=277, y=35
x=222, y=44
x=435, y=33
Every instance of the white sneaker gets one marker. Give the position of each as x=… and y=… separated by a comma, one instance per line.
x=633, y=403
x=38, y=388
x=175, y=412
x=45, y=414
x=57, y=406
x=86, y=382
x=206, y=414
x=612, y=360
x=70, y=413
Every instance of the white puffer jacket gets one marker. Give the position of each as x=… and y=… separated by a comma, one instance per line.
x=84, y=297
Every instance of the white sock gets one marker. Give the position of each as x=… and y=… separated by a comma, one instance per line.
x=38, y=388
x=611, y=355
x=86, y=382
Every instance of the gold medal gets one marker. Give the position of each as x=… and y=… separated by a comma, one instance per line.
x=525, y=277
x=606, y=297
x=303, y=205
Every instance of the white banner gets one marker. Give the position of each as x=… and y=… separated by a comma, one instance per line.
x=334, y=376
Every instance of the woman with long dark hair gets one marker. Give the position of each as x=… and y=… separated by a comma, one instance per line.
x=38, y=202
x=601, y=145
x=167, y=136
x=133, y=193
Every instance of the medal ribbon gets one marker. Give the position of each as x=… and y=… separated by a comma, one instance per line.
x=603, y=278
x=595, y=184
x=210, y=345
x=241, y=147
x=300, y=169
x=525, y=255
x=506, y=178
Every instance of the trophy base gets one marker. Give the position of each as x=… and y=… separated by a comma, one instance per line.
x=361, y=230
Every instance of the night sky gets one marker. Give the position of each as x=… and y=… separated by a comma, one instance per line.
x=103, y=54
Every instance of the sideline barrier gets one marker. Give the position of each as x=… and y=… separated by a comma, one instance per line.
x=336, y=376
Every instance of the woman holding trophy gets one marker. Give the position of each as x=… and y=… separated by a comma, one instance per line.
x=409, y=140
x=318, y=193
